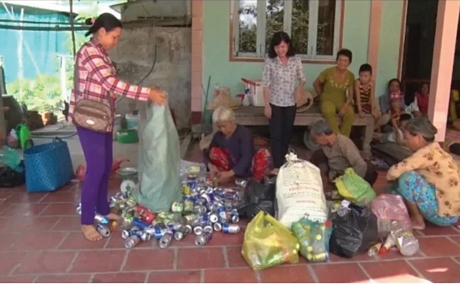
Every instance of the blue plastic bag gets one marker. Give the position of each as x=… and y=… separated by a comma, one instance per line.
x=159, y=159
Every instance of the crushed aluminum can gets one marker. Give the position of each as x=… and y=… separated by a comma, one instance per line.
x=139, y=223
x=217, y=227
x=178, y=236
x=177, y=207
x=241, y=182
x=188, y=205
x=231, y=228
x=129, y=232
x=198, y=230
x=132, y=241
x=200, y=209
x=98, y=218
x=206, y=198
x=187, y=229
x=166, y=240
x=78, y=209
x=130, y=202
x=214, y=218
x=192, y=219
x=103, y=230
x=222, y=213
x=145, y=236
x=203, y=239
x=207, y=229
x=234, y=216
x=173, y=226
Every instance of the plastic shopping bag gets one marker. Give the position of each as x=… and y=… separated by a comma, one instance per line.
x=388, y=208
x=354, y=188
x=268, y=243
x=258, y=196
x=354, y=230
x=313, y=238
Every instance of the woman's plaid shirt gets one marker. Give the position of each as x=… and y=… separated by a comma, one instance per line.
x=97, y=78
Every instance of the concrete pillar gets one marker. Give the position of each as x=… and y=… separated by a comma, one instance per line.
x=443, y=63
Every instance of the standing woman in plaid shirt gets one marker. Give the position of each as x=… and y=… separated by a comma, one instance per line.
x=97, y=78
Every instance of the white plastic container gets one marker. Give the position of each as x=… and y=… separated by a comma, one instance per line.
x=255, y=92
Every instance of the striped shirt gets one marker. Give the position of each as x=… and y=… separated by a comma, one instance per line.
x=97, y=78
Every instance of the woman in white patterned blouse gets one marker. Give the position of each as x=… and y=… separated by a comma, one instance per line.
x=281, y=71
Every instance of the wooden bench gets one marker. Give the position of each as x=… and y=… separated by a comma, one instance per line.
x=254, y=116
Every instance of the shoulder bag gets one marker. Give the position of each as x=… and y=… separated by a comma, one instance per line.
x=91, y=114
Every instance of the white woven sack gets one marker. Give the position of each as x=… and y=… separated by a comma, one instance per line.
x=299, y=192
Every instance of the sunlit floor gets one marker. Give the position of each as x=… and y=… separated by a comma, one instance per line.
x=41, y=242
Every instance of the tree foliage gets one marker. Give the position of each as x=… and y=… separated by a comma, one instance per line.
x=274, y=22
x=43, y=93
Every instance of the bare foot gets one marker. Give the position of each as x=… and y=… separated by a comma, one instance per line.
x=418, y=223
x=113, y=216
x=90, y=233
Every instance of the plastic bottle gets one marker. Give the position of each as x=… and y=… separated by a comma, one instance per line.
x=405, y=240
x=344, y=209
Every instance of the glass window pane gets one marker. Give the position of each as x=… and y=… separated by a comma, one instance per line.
x=326, y=22
x=275, y=20
x=247, y=27
x=299, y=32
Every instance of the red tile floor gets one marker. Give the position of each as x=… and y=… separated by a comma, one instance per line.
x=42, y=243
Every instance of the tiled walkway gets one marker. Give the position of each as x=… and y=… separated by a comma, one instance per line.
x=41, y=242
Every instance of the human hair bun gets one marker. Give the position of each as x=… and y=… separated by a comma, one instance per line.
x=89, y=21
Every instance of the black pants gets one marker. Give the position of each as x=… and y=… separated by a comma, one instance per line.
x=320, y=160
x=281, y=125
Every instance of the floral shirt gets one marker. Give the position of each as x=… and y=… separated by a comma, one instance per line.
x=281, y=80
x=97, y=78
x=439, y=169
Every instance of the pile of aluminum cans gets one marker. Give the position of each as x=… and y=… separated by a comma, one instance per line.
x=204, y=209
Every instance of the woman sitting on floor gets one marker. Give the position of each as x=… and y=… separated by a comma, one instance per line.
x=429, y=180
x=231, y=152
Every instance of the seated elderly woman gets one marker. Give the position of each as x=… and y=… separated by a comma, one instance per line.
x=429, y=180
x=337, y=153
x=231, y=152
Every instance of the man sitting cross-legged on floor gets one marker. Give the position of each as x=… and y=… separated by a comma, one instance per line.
x=337, y=153
x=231, y=151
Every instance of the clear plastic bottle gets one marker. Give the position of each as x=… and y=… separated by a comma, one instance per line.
x=344, y=209
x=405, y=240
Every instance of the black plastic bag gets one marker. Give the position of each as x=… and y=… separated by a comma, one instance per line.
x=354, y=232
x=12, y=178
x=258, y=196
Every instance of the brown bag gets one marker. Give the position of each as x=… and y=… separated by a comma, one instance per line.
x=91, y=114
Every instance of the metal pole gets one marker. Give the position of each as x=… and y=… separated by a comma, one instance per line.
x=74, y=49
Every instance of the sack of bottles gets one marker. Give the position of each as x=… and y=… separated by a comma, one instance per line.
x=268, y=243
x=313, y=238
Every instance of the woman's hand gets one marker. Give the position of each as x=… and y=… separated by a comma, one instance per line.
x=268, y=111
x=157, y=96
x=361, y=113
x=224, y=177
x=298, y=95
x=376, y=113
x=213, y=171
x=343, y=110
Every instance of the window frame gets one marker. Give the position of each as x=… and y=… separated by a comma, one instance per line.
x=260, y=53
